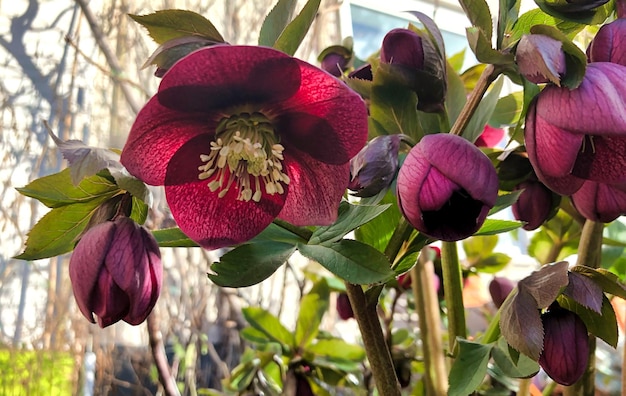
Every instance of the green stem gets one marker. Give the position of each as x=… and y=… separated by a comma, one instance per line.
x=493, y=331
x=422, y=282
x=453, y=288
x=399, y=237
x=376, y=348
x=589, y=254
x=484, y=81
x=524, y=387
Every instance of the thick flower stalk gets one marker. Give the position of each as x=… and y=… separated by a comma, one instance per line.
x=446, y=187
x=580, y=134
x=116, y=272
x=242, y=135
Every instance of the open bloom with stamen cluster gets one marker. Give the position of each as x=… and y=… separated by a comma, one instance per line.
x=446, y=187
x=240, y=135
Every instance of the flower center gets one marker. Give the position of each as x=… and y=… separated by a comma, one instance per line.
x=246, y=152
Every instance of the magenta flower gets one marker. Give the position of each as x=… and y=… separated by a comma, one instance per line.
x=241, y=135
x=600, y=201
x=580, y=134
x=609, y=44
x=116, y=272
x=446, y=187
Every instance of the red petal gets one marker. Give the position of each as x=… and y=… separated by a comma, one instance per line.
x=110, y=302
x=211, y=221
x=602, y=160
x=315, y=190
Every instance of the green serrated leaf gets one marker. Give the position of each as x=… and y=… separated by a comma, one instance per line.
x=378, y=231
x=505, y=200
x=166, y=25
x=508, y=12
x=350, y=217
x=293, y=34
x=338, y=349
x=57, y=232
x=469, y=368
x=269, y=325
x=58, y=190
x=520, y=366
x=481, y=47
x=250, y=263
x=172, y=237
x=603, y=325
x=483, y=113
x=537, y=17
x=276, y=21
x=351, y=260
x=479, y=15
x=313, y=306
x=276, y=233
x=493, y=226
x=139, y=210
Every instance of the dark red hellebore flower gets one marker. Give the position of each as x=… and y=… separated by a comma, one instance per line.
x=580, y=134
x=242, y=135
x=446, y=187
x=116, y=272
x=609, y=44
x=565, y=345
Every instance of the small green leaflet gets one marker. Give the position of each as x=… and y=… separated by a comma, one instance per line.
x=276, y=21
x=493, y=226
x=290, y=39
x=172, y=237
x=313, y=306
x=469, y=367
x=349, y=218
x=166, y=25
x=269, y=325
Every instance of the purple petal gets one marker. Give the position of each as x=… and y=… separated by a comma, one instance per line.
x=603, y=159
x=211, y=221
x=87, y=262
x=315, y=190
x=110, y=302
x=609, y=44
x=600, y=201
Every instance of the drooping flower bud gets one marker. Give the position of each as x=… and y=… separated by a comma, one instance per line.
x=116, y=272
x=374, y=167
x=565, y=345
x=446, y=187
x=609, y=44
x=344, y=309
x=499, y=289
x=418, y=62
x=540, y=59
x=600, y=201
x=535, y=204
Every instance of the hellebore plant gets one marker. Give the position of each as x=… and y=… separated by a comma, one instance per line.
x=446, y=187
x=116, y=272
x=535, y=204
x=235, y=149
x=374, y=168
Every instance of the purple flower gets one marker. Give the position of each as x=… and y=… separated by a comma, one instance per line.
x=609, y=44
x=446, y=187
x=116, y=272
x=499, y=289
x=580, y=134
x=242, y=135
x=374, y=167
x=565, y=345
x=600, y=201
x=416, y=60
x=534, y=205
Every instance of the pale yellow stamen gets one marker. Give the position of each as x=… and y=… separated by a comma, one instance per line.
x=246, y=153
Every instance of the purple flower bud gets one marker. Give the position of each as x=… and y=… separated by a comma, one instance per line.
x=540, y=58
x=500, y=288
x=565, y=345
x=609, y=44
x=534, y=205
x=344, y=308
x=116, y=272
x=580, y=134
x=600, y=201
x=446, y=187
x=334, y=63
x=374, y=167
x=414, y=58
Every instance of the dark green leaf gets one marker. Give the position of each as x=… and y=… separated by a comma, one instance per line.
x=505, y=200
x=250, y=263
x=139, y=211
x=559, y=9
x=508, y=12
x=481, y=47
x=469, y=368
x=519, y=367
x=493, y=226
x=378, y=231
x=166, y=25
x=350, y=217
x=276, y=21
x=269, y=325
x=57, y=232
x=313, y=306
x=537, y=17
x=508, y=110
x=336, y=348
x=291, y=37
x=479, y=15
x=483, y=113
x=57, y=189
x=351, y=260
x=172, y=237
x=456, y=96
x=603, y=325
x=276, y=233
